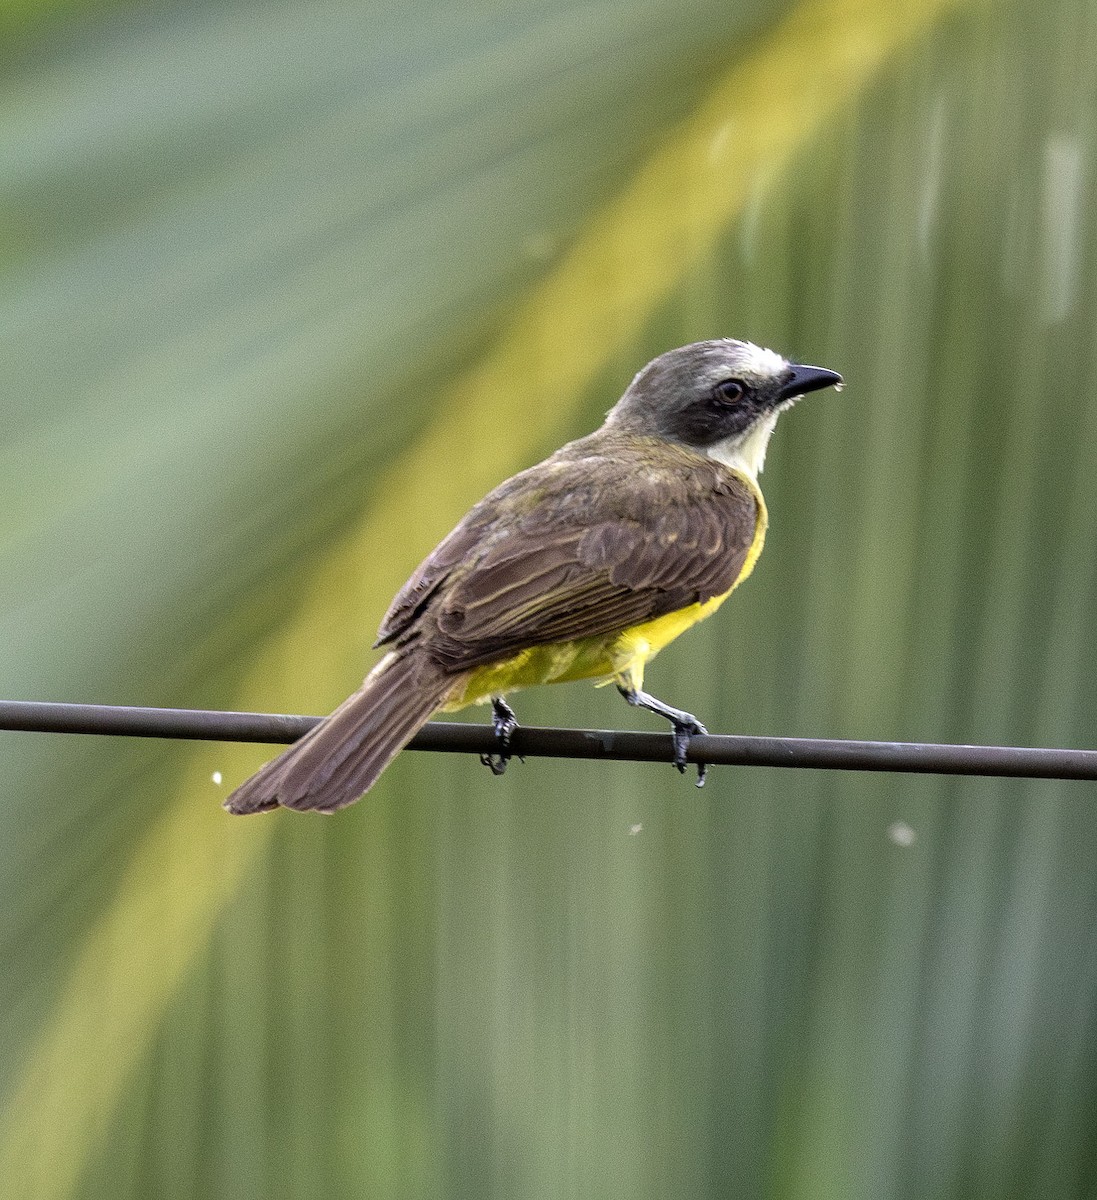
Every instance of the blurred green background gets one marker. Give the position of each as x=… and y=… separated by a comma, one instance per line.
x=285, y=288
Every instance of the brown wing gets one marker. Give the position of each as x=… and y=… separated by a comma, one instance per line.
x=553, y=556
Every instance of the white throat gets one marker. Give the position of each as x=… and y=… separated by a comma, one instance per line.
x=746, y=452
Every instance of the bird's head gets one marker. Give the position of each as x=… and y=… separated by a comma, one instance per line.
x=720, y=397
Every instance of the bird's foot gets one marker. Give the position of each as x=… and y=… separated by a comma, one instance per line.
x=685, y=727
x=504, y=722
x=683, y=731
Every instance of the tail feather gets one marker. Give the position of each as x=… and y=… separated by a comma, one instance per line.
x=341, y=758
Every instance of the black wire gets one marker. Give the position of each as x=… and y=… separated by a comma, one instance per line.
x=717, y=749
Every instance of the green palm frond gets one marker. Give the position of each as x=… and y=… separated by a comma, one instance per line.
x=284, y=290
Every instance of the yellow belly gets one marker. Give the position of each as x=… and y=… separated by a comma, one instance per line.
x=618, y=657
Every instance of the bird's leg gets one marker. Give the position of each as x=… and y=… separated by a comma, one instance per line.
x=685, y=726
x=504, y=722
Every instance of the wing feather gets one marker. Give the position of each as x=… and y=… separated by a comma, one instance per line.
x=550, y=557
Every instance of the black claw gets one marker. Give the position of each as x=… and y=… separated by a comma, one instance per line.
x=504, y=722
x=497, y=766
x=685, y=726
x=682, y=735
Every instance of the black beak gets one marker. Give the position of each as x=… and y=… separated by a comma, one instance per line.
x=808, y=379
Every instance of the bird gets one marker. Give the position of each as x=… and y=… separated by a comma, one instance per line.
x=582, y=567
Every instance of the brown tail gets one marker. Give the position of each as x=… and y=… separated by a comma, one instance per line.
x=340, y=759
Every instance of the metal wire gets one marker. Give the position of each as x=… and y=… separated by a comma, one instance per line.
x=532, y=741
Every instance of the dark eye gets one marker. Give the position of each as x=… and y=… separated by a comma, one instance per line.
x=728, y=391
